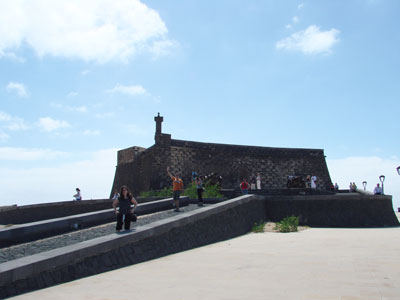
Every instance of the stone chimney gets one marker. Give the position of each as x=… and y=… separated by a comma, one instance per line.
x=158, y=120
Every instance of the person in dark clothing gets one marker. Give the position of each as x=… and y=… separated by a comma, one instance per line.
x=124, y=202
x=200, y=189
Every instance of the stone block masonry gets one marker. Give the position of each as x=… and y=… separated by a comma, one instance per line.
x=147, y=169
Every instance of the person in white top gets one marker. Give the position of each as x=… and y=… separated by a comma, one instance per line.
x=78, y=196
x=258, y=179
x=313, y=182
x=116, y=195
x=378, y=190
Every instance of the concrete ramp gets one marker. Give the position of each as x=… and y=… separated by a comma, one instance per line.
x=183, y=232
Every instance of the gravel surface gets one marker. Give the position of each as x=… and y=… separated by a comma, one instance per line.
x=27, y=249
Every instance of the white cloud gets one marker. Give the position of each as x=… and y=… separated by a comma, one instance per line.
x=22, y=154
x=295, y=19
x=132, y=90
x=91, y=132
x=4, y=116
x=81, y=109
x=49, y=124
x=105, y=115
x=359, y=169
x=163, y=47
x=93, y=175
x=91, y=30
x=288, y=26
x=300, y=6
x=72, y=94
x=3, y=137
x=12, y=123
x=11, y=56
x=310, y=41
x=85, y=72
x=19, y=88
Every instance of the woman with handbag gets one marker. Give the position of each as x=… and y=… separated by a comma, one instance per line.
x=124, y=202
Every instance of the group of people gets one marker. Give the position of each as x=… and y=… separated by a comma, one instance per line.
x=124, y=200
x=377, y=190
x=334, y=187
x=352, y=187
x=255, y=182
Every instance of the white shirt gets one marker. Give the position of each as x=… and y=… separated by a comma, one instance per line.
x=377, y=190
x=313, y=182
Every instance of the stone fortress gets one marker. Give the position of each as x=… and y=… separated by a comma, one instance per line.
x=60, y=242
x=144, y=169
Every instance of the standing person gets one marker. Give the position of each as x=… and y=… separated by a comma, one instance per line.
x=200, y=189
x=253, y=183
x=336, y=187
x=116, y=195
x=194, y=176
x=308, y=181
x=244, y=186
x=77, y=196
x=313, y=182
x=177, y=187
x=124, y=202
x=258, y=178
x=377, y=190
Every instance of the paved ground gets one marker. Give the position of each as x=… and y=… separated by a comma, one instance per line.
x=35, y=247
x=312, y=264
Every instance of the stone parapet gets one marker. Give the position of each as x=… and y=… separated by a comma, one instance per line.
x=37, y=230
x=340, y=210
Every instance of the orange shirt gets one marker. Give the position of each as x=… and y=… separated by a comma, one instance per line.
x=177, y=184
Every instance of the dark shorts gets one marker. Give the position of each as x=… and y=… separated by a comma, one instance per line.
x=176, y=195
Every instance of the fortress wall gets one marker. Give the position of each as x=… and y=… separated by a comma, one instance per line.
x=148, y=169
x=234, y=162
x=341, y=210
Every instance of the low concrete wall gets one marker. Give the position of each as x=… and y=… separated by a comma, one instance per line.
x=341, y=210
x=185, y=231
x=37, y=212
x=32, y=231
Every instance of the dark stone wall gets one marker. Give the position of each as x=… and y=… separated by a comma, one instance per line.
x=38, y=212
x=352, y=210
x=179, y=234
x=182, y=232
x=232, y=162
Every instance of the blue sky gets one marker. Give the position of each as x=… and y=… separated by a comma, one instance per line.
x=81, y=80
